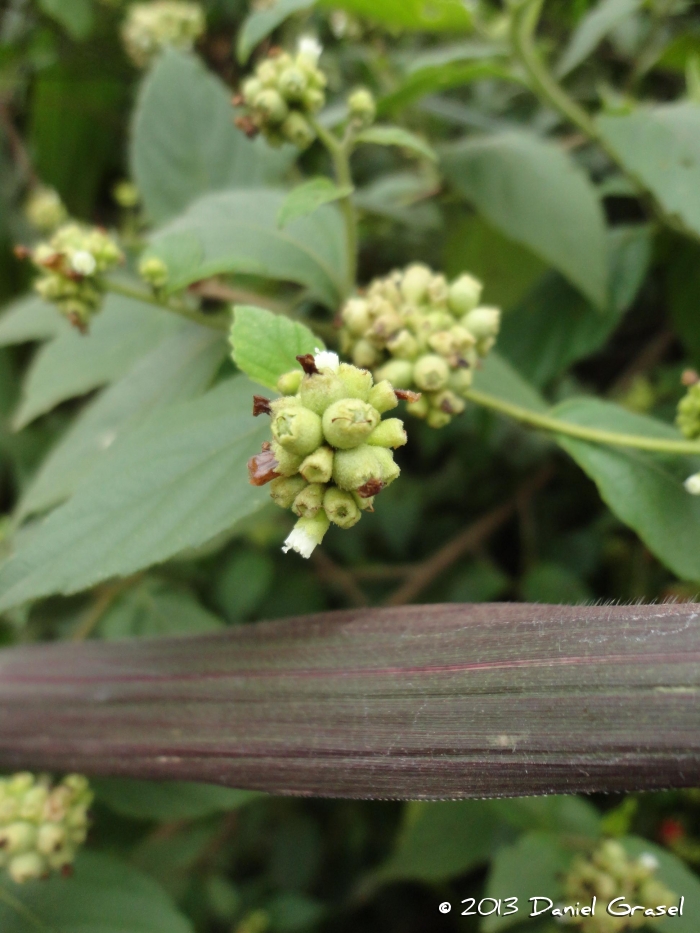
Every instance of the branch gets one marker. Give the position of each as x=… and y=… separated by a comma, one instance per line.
x=417, y=702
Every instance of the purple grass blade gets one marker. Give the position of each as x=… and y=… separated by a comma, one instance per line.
x=413, y=702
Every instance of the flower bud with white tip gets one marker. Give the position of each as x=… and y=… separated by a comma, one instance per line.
x=307, y=534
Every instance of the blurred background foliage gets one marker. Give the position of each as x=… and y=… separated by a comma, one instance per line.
x=466, y=522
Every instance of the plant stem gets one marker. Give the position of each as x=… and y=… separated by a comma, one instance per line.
x=340, y=152
x=596, y=435
x=198, y=317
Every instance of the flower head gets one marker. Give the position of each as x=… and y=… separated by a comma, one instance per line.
x=150, y=27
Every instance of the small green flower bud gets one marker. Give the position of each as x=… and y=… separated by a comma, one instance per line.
x=307, y=534
x=288, y=383
x=44, y=209
x=288, y=463
x=362, y=106
x=382, y=397
x=292, y=83
x=415, y=282
x=341, y=508
x=51, y=839
x=32, y=803
x=17, y=837
x=388, y=433
x=364, y=503
x=438, y=290
x=349, y=422
x=464, y=294
x=390, y=469
x=266, y=73
x=309, y=500
x=437, y=418
x=431, y=372
x=271, y=105
x=483, y=322
x=357, y=382
x=27, y=867
x=126, y=194
x=354, y=468
x=356, y=316
x=365, y=355
x=688, y=416
x=313, y=99
x=319, y=391
x=419, y=408
x=285, y=489
x=460, y=380
x=403, y=345
x=318, y=466
x=250, y=89
x=297, y=130
x=443, y=343
x=154, y=271
x=298, y=430
x=448, y=402
x=384, y=328
x=398, y=372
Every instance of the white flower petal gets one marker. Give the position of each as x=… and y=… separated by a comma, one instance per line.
x=83, y=262
x=647, y=860
x=326, y=361
x=692, y=484
x=310, y=47
x=300, y=541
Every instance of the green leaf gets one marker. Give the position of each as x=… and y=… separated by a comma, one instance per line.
x=441, y=840
x=644, y=490
x=677, y=877
x=595, y=25
x=30, y=319
x=236, y=231
x=168, y=800
x=573, y=815
x=308, y=197
x=76, y=16
x=534, y=193
x=154, y=609
x=659, y=146
x=435, y=15
x=184, y=143
x=178, y=368
x=266, y=345
x=105, y=895
x=402, y=197
x=554, y=326
x=174, y=482
x=260, y=23
x=532, y=867
x=74, y=363
x=442, y=70
x=497, y=377
x=397, y=136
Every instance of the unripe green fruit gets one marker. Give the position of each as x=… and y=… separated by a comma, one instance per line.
x=309, y=501
x=319, y=391
x=298, y=430
x=288, y=463
x=357, y=382
x=349, y=422
x=288, y=383
x=431, y=372
x=356, y=467
x=271, y=105
x=388, y=433
x=297, y=130
x=341, y=508
x=285, y=489
x=292, y=83
x=382, y=396
x=415, y=282
x=398, y=372
x=483, y=322
x=356, y=316
x=318, y=466
x=365, y=355
x=390, y=469
x=464, y=294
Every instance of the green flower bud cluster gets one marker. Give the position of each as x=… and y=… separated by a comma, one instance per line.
x=611, y=873
x=44, y=209
x=154, y=271
x=41, y=826
x=688, y=414
x=150, y=27
x=331, y=452
x=362, y=107
x=284, y=91
x=421, y=332
x=70, y=264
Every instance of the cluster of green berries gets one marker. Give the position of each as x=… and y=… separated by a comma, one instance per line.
x=331, y=452
x=71, y=264
x=44, y=209
x=421, y=332
x=611, y=873
x=41, y=826
x=151, y=27
x=282, y=94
